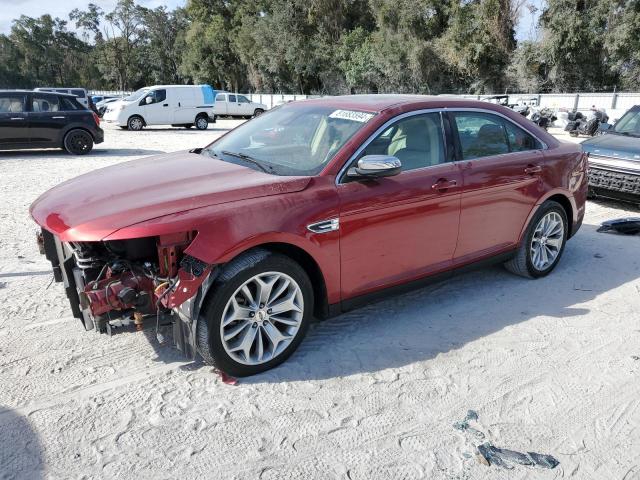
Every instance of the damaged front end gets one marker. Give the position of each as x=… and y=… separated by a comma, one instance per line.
x=117, y=283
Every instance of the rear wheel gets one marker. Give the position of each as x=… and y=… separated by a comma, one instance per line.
x=78, y=142
x=257, y=112
x=259, y=312
x=135, y=123
x=543, y=243
x=202, y=122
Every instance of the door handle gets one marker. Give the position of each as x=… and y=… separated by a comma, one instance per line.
x=533, y=169
x=444, y=184
x=165, y=104
x=17, y=118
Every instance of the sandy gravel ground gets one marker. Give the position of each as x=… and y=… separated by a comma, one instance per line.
x=550, y=366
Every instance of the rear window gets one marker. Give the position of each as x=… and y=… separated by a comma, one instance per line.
x=69, y=104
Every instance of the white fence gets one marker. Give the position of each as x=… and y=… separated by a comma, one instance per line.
x=614, y=103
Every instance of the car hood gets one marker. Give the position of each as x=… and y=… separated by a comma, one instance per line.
x=92, y=206
x=614, y=146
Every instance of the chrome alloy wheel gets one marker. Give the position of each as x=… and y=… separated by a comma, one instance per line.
x=547, y=240
x=262, y=318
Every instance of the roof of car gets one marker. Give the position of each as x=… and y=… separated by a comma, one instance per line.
x=18, y=90
x=380, y=102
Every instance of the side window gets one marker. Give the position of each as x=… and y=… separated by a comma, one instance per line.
x=78, y=93
x=232, y=98
x=45, y=103
x=481, y=135
x=67, y=105
x=519, y=140
x=156, y=96
x=243, y=99
x=221, y=97
x=417, y=141
x=11, y=103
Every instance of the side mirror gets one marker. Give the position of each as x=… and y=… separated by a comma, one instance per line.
x=148, y=100
x=376, y=166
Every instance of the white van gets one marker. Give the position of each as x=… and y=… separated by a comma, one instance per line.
x=80, y=93
x=175, y=105
x=236, y=105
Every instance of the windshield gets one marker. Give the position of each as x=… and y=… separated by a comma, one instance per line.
x=294, y=139
x=137, y=95
x=629, y=124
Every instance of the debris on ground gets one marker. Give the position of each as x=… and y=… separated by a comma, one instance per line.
x=463, y=425
x=228, y=379
x=488, y=454
x=503, y=457
x=626, y=226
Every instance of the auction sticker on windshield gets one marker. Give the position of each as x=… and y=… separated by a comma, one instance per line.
x=352, y=115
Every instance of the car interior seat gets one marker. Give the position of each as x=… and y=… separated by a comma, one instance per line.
x=490, y=140
x=413, y=146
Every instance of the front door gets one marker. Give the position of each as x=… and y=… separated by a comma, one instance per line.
x=244, y=105
x=14, y=124
x=405, y=227
x=47, y=119
x=155, y=108
x=501, y=166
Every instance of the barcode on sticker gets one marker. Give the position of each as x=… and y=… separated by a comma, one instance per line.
x=352, y=115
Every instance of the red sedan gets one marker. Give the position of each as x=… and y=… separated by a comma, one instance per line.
x=307, y=211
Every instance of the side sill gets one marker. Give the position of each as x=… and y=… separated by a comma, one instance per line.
x=379, y=295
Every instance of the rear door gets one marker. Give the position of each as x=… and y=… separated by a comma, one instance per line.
x=47, y=119
x=184, y=105
x=501, y=165
x=14, y=124
x=220, y=105
x=233, y=107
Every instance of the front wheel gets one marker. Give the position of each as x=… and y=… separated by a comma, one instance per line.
x=257, y=112
x=258, y=314
x=543, y=242
x=135, y=123
x=78, y=142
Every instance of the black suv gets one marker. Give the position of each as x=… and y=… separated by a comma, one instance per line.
x=47, y=120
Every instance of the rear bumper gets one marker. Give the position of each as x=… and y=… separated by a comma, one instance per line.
x=98, y=136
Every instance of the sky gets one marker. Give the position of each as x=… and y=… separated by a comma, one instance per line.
x=11, y=9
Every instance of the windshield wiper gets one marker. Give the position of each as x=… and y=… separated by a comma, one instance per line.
x=246, y=158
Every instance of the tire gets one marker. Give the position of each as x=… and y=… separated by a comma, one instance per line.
x=135, y=123
x=78, y=142
x=202, y=122
x=524, y=263
x=257, y=112
x=227, y=291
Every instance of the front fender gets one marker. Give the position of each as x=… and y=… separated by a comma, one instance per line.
x=225, y=231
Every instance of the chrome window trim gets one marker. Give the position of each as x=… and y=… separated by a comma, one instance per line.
x=381, y=129
x=493, y=112
x=441, y=111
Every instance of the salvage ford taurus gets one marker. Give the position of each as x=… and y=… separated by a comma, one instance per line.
x=307, y=211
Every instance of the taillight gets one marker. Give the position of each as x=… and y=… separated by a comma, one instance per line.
x=96, y=118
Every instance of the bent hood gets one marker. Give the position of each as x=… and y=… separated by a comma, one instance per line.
x=92, y=206
x=614, y=146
